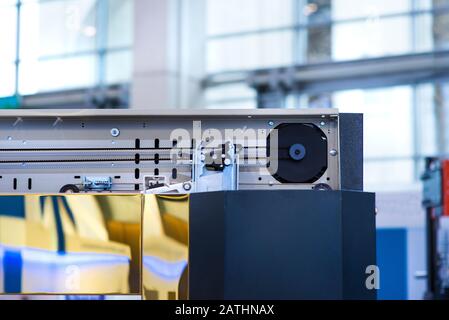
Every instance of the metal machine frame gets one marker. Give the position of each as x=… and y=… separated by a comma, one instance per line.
x=50, y=151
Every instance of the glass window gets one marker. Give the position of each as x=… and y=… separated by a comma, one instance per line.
x=319, y=48
x=370, y=38
x=243, y=104
x=250, y=52
x=7, y=79
x=59, y=38
x=120, y=26
x=349, y=9
x=227, y=92
x=388, y=133
x=8, y=33
x=7, y=3
x=442, y=116
x=380, y=174
x=440, y=3
x=118, y=66
x=422, y=33
x=441, y=31
x=236, y=15
x=231, y=96
x=388, y=130
x=426, y=119
x=57, y=74
x=57, y=28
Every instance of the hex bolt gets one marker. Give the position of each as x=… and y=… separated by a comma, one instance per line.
x=333, y=152
x=115, y=132
x=187, y=186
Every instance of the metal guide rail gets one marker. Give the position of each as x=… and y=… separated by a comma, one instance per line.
x=177, y=151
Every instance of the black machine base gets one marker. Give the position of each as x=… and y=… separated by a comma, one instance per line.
x=289, y=244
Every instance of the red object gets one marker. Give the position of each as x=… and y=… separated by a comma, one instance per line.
x=445, y=183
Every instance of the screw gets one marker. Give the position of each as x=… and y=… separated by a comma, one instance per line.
x=9, y=138
x=333, y=152
x=322, y=123
x=115, y=132
x=271, y=123
x=187, y=186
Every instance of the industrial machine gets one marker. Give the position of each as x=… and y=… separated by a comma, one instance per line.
x=436, y=202
x=52, y=151
x=275, y=197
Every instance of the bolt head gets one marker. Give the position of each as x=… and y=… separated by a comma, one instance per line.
x=333, y=152
x=115, y=132
x=187, y=186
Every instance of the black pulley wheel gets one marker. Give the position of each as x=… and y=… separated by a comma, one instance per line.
x=302, y=153
x=69, y=188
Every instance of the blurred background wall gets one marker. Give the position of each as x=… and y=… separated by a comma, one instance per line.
x=386, y=59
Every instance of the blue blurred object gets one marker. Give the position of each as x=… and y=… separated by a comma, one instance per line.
x=392, y=262
x=12, y=271
x=12, y=102
x=13, y=206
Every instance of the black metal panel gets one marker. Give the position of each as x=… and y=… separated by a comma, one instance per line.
x=359, y=242
x=207, y=237
x=289, y=244
x=351, y=151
